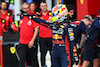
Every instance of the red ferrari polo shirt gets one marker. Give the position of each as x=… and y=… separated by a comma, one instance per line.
x=44, y=31
x=7, y=16
x=27, y=27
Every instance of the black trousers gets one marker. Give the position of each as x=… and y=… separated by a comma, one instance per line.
x=45, y=45
x=29, y=55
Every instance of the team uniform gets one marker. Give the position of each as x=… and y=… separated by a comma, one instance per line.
x=45, y=37
x=27, y=27
x=90, y=47
x=2, y=25
x=79, y=28
x=63, y=39
x=7, y=17
x=34, y=13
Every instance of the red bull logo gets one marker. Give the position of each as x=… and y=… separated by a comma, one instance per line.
x=58, y=42
x=56, y=36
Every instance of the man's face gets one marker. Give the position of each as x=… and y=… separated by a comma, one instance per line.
x=26, y=8
x=32, y=6
x=43, y=6
x=3, y=6
x=71, y=13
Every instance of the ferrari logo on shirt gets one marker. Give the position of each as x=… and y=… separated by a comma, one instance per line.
x=82, y=1
x=29, y=23
x=49, y=13
x=3, y=21
x=8, y=14
x=7, y=17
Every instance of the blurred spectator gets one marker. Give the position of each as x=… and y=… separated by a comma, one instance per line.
x=6, y=14
x=12, y=7
x=21, y=2
x=71, y=10
x=32, y=8
x=0, y=5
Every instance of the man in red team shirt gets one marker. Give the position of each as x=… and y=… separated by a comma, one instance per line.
x=2, y=24
x=27, y=39
x=6, y=14
x=45, y=34
x=32, y=8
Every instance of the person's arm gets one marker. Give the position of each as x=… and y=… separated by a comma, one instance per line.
x=83, y=29
x=31, y=43
x=82, y=40
x=38, y=20
x=15, y=26
x=11, y=20
x=1, y=37
x=97, y=22
x=70, y=34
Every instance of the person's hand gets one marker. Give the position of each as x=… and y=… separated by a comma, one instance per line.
x=31, y=43
x=79, y=61
x=76, y=65
x=1, y=38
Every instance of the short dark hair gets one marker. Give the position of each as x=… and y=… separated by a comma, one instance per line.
x=33, y=3
x=43, y=1
x=70, y=7
x=3, y=2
